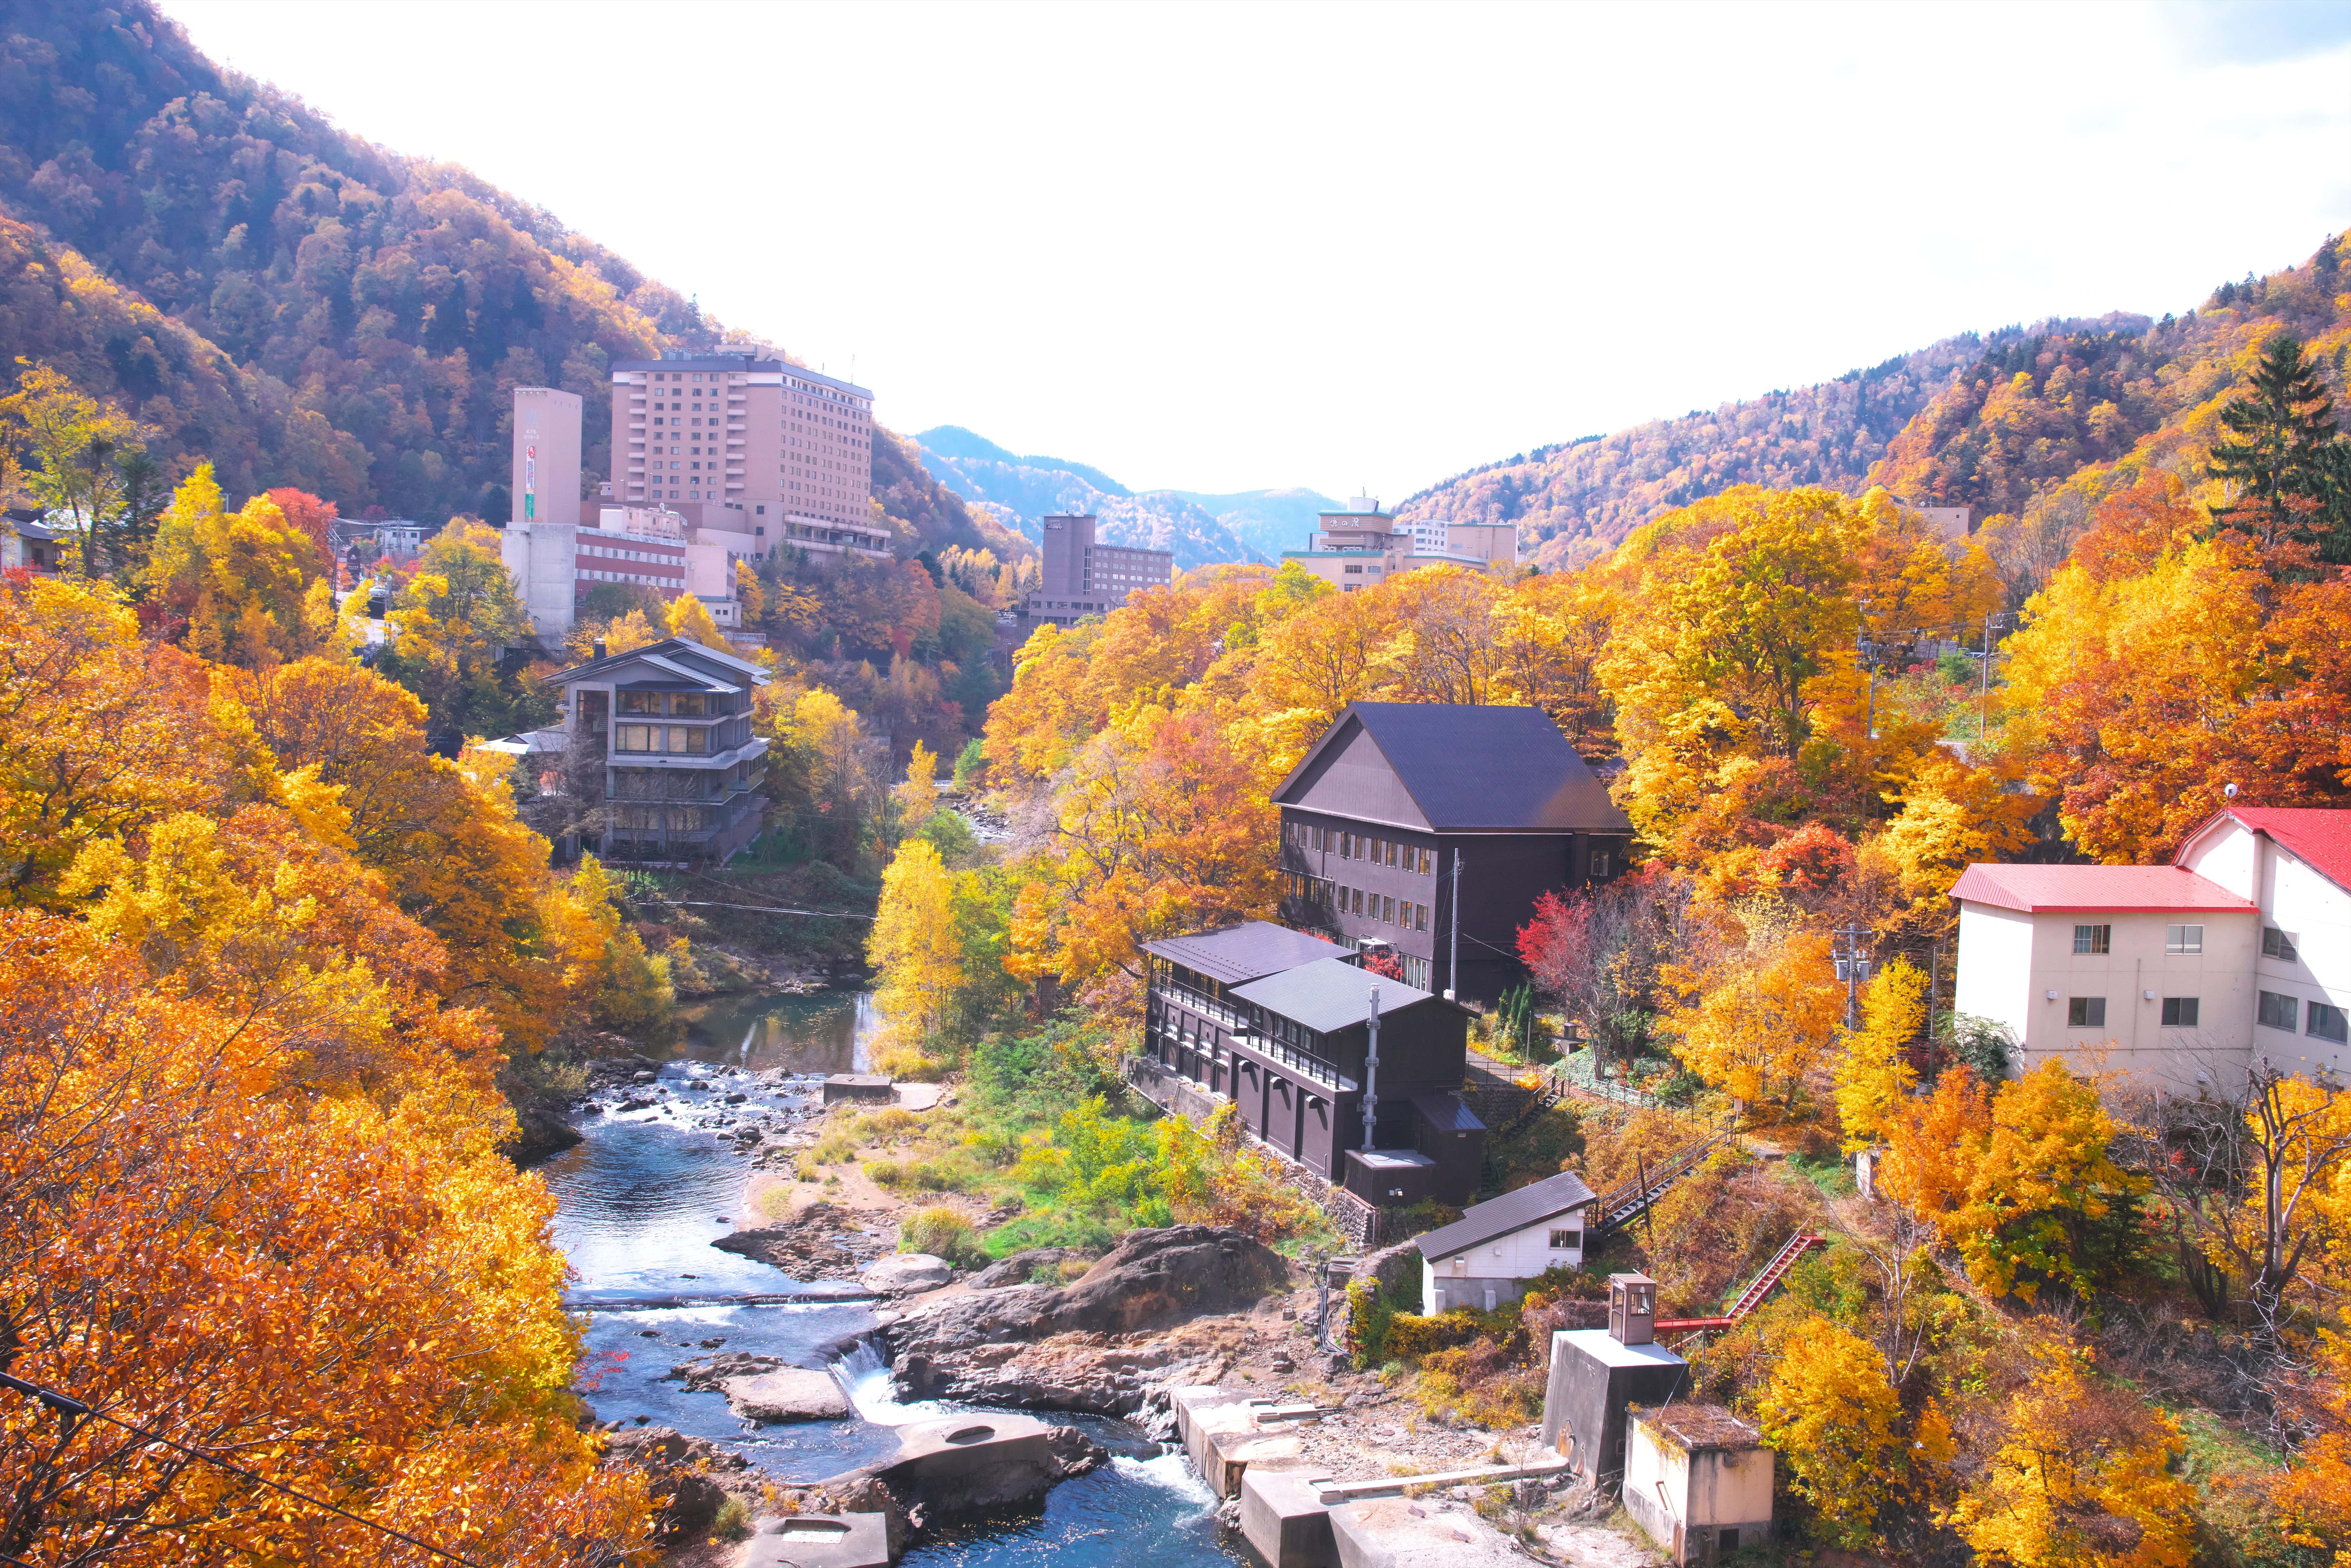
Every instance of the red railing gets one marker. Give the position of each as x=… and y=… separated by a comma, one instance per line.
x=1754, y=1296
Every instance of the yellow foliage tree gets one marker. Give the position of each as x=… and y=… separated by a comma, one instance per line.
x=1828, y=1409
x=1759, y=1022
x=245, y=583
x=2012, y=1180
x=919, y=797
x=689, y=617
x=2082, y=1479
x=1873, y=1076
x=915, y=947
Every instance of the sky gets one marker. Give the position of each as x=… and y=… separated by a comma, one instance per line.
x=1359, y=247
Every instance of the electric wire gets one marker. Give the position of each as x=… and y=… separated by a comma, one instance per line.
x=73, y=1409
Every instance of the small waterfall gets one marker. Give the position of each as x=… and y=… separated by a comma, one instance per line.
x=865, y=1377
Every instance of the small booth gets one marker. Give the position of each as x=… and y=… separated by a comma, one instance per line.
x=1598, y=1376
x=1698, y=1480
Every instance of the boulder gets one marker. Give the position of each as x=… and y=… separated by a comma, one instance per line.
x=974, y=1462
x=690, y=1477
x=706, y=1372
x=539, y=1133
x=817, y=1243
x=1151, y=1280
x=788, y=1394
x=903, y=1273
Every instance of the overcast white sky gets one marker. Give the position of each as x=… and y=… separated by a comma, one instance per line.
x=1225, y=246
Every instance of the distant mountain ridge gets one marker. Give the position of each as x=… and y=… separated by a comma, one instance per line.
x=1199, y=528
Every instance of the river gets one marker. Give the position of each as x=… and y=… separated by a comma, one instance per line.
x=639, y=1200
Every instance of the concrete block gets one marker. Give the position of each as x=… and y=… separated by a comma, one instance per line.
x=819, y=1541
x=1397, y=1533
x=853, y=1088
x=1230, y=1455
x=1202, y=1414
x=1283, y=1520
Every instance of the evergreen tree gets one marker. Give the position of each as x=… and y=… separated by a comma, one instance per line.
x=2276, y=434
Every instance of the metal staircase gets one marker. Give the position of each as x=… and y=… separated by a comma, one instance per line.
x=1757, y=1290
x=1623, y=1204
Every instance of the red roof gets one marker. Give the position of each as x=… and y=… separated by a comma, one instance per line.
x=2319, y=836
x=2097, y=889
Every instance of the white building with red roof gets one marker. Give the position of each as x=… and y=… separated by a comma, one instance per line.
x=2238, y=949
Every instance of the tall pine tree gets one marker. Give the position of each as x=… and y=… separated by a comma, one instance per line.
x=2274, y=453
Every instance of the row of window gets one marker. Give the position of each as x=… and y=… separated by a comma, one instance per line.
x=1361, y=847
x=681, y=705
x=2181, y=941
x=2320, y=1020
x=1404, y=913
x=683, y=740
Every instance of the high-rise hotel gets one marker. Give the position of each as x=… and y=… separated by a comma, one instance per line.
x=739, y=438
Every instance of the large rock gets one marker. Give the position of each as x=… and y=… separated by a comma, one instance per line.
x=1152, y=1279
x=690, y=1477
x=788, y=1394
x=820, y=1242
x=973, y=1462
x=541, y=1133
x=906, y=1272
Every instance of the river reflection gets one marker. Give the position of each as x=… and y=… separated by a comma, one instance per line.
x=825, y=1033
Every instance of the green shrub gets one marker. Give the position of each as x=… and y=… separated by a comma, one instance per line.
x=1411, y=1336
x=733, y=1522
x=886, y=1173
x=941, y=1232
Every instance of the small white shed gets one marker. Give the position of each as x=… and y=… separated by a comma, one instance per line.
x=1486, y=1257
x=1698, y=1480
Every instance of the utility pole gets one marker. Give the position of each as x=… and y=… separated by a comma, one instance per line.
x=1371, y=1073
x=1983, y=700
x=1453, y=954
x=1853, y=966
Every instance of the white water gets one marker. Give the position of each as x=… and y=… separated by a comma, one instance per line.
x=865, y=1377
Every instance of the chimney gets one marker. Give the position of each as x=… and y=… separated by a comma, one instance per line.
x=1632, y=1308
x=600, y=647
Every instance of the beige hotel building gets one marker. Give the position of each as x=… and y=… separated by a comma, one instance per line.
x=739, y=438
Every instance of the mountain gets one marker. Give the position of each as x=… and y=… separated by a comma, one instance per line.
x=1200, y=530
x=2032, y=412
x=296, y=303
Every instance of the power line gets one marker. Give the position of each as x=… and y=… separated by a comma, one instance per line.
x=74, y=1410
x=756, y=908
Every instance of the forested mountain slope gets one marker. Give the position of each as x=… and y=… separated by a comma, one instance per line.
x=1576, y=499
x=2036, y=409
x=295, y=303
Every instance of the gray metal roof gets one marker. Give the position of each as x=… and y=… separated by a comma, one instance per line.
x=1477, y=768
x=671, y=659
x=1529, y=1204
x=1445, y=1113
x=1243, y=952
x=1329, y=995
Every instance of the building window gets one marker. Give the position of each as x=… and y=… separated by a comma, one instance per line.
x=1420, y=917
x=1387, y=910
x=2276, y=1011
x=2276, y=944
x=2093, y=939
x=1347, y=846
x=633, y=738
x=1359, y=901
x=1600, y=864
x=2179, y=1012
x=1562, y=1240
x=636, y=702
x=2329, y=1023
x=2178, y=940
x=2086, y=1012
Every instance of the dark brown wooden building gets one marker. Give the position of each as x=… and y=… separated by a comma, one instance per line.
x=1276, y=1023
x=1374, y=816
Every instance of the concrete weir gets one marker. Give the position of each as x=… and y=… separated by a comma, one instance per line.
x=819, y=1541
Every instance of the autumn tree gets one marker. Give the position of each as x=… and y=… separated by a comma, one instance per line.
x=1599, y=952
x=1875, y=1075
x=456, y=616
x=2015, y=1180
x=1830, y=1411
x=918, y=796
x=247, y=587
x=1757, y=1022
x=80, y=448
x=689, y=617
x=914, y=946
x=311, y=518
x=2084, y=1477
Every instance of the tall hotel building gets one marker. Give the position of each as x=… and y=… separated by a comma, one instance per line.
x=740, y=439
